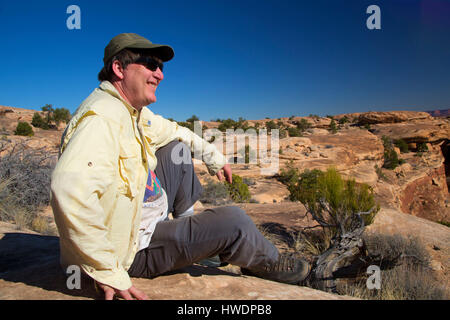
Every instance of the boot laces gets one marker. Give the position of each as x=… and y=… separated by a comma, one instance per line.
x=283, y=264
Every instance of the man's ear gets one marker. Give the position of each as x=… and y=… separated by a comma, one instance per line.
x=117, y=69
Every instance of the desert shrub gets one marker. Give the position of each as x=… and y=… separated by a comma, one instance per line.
x=288, y=175
x=336, y=204
x=29, y=172
x=61, y=115
x=303, y=125
x=232, y=124
x=24, y=129
x=391, y=160
x=270, y=125
x=189, y=123
x=238, y=190
x=52, y=116
x=405, y=271
x=380, y=173
x=333, y=127
x=25, y=178
x=215, y=193
x=422, y=147
x=39, y=122
x=294, y=132
x=402, y=145
x=193, y=118
x=344, y=120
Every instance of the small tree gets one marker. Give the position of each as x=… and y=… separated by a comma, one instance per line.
x=391, y=160
x=270, y=125
x=333, y=127
x=49, y=109
x=227, y=124
x=192, y=119
x=24, y=129
x=338, y=205
x=341, y=208
x=402, y=145
x=39, y=122
x=61, y=114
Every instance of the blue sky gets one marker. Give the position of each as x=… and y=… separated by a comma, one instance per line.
x=237, y=58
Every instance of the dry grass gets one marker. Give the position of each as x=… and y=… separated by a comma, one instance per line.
x=25, y=186
x=313, y=242
x=215, y=193
x=405, y=272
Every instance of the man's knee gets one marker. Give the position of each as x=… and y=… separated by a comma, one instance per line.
x=235, y=218
x=175, y=151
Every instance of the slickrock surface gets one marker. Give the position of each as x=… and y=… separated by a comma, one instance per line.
x=29, y=270
x=413, y=195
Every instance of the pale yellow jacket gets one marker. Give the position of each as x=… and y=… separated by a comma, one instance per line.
x=98, y=184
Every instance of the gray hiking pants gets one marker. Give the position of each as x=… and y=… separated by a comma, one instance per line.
x=224, y=231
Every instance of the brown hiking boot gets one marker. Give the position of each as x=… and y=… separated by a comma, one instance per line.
x=286, y=269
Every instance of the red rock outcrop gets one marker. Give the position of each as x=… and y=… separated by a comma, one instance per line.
x=392, y=117
x=427, y=197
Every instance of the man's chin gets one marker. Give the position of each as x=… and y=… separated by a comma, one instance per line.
x=151, y=100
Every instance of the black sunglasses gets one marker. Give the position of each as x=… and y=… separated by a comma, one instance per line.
x=150, y=63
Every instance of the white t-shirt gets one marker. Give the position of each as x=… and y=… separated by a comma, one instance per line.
x=152, y=213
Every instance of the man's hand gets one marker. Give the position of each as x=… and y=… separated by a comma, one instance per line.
x=227, y=172
x=130, y=294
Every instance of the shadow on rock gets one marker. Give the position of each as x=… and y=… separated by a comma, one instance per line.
x=280, y=231
x=34, y=260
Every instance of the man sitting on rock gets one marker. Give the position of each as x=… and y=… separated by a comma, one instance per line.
x=116, y=180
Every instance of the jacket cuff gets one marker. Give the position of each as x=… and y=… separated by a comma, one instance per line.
x=219, y=161
x=116, y=278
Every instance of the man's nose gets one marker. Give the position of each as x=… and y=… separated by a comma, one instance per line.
x=158, y=74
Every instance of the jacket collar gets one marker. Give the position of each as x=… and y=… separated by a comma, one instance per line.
x=108, y=87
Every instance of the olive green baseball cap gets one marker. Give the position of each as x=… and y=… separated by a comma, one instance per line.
x=135, y=41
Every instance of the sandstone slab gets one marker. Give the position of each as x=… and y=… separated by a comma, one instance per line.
x=29, y=270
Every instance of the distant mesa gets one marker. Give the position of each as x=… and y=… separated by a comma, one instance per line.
x=439, y=113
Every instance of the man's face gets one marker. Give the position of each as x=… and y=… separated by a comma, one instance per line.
x=139, y=84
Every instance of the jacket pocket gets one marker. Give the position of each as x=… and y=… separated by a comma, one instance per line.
x=129, y=161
